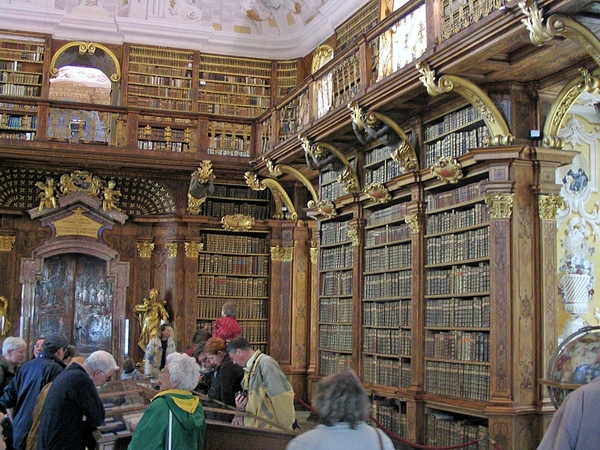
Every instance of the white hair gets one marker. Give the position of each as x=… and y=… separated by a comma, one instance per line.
x=183, y=371
x=101, y=360
x=12, y=343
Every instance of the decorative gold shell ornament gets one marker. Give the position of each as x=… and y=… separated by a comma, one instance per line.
x=237, y=222
x=377, y=192
x=447, y=169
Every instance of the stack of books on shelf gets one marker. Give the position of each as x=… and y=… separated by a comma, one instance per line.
x=473, y=312
x=247, y=308
x=226, y=243
x=461, y=380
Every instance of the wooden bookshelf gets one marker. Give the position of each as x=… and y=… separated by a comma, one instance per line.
x=454, y=134
x=387, y=300
x=160, y=78
x=234, y=86
x=336, y=260
x=293, y=116
x=329, y=186
x=266, y=134
x=379, y=167
x=21, y=64
x=358, y=24
x=229, y=139
x=229, y=199
x=167, y=134
x=235, y=268
x=287, y=77
x=18, y=121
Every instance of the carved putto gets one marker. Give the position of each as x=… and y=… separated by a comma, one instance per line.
x=201, y=186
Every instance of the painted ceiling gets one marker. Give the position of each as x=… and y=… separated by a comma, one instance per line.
x=272, y=29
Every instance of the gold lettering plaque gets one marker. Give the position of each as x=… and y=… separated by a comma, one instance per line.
x=77, y=224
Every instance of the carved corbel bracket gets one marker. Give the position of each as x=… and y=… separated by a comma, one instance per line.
x=201, y=185
x=404, y=153
x=558, y=25
x=348, y=177
x=587, y=82
x=85, y=48
x=447, y=169
x=279, y=195
x=499, y=131
x=316, y=206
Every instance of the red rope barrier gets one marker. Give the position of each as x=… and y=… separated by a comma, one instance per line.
x=405, y=441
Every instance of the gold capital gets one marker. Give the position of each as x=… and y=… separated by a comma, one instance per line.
x=6, y=243
x=412, y=220
x=353, y=234
x=193, y=249
x=145, y=249
x=279, y=253
x=500, y=205
x=171, y=249
x=549, y=206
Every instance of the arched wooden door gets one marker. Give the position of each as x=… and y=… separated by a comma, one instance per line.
x=75, y=298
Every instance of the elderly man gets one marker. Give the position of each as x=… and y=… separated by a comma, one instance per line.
x=20, y=395
x=73, y=409
x=268, y=394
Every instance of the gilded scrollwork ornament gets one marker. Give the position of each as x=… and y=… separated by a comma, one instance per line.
x=377, y=192
x=500, y=205
x=549, y=206
x=171, y=250
x=283, y=204
x=314, y=252
x=447, y=169
x=354, y=236
x=237, y=222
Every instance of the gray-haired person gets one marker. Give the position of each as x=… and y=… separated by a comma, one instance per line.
x=73, y=409
x=343, y=408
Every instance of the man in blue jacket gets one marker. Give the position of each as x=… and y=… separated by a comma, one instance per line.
x=20, y=395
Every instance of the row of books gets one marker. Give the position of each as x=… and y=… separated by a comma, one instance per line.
x=456, y=196
x=336, y=257
x=454, y=248
x=387, y=342
x=471, y=312
x=159, y=91
x=164, y=134
x=335, y=337
x=27, y=136
x=13, y=121
x=234, y=264
x=169, y=119
x=253, y=331
x=20, y=78
x=182, y=83
x=240, y=192
x=332, y=191
x=230, y=110
x=15, y=55
x=164, y=146
x=336, y=283
x=228, y=152
x=232, y=286
x=247, y=308
x=387, y=314
x=457, y=144
x=155, y=55
x=333, y=309
x=15, y=106
x=389, y=257
x=471, y=381
x=452, y=121
x=235, y=65
x=21, y=45
x=334, y=232
x=386, y=372
x=390, y=417
x=223, y=208
x=328, y=176
x=240, y=143
x=224, y=99
x=225, y=243
x=444, y=430
x=332, y=362
x=376, y=155
x=240, y=80
x=458, y=344
x=393, y=213
x=20, y=90
x=458, y=280
x=457, y=219
x=387, y=172
x=159, y=103
x=387, y=234
x=388, y=285
x=177, y=72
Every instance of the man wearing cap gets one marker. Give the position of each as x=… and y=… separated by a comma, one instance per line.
x=20, y=395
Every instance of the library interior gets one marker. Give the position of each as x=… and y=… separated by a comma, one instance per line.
x=404, y=188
